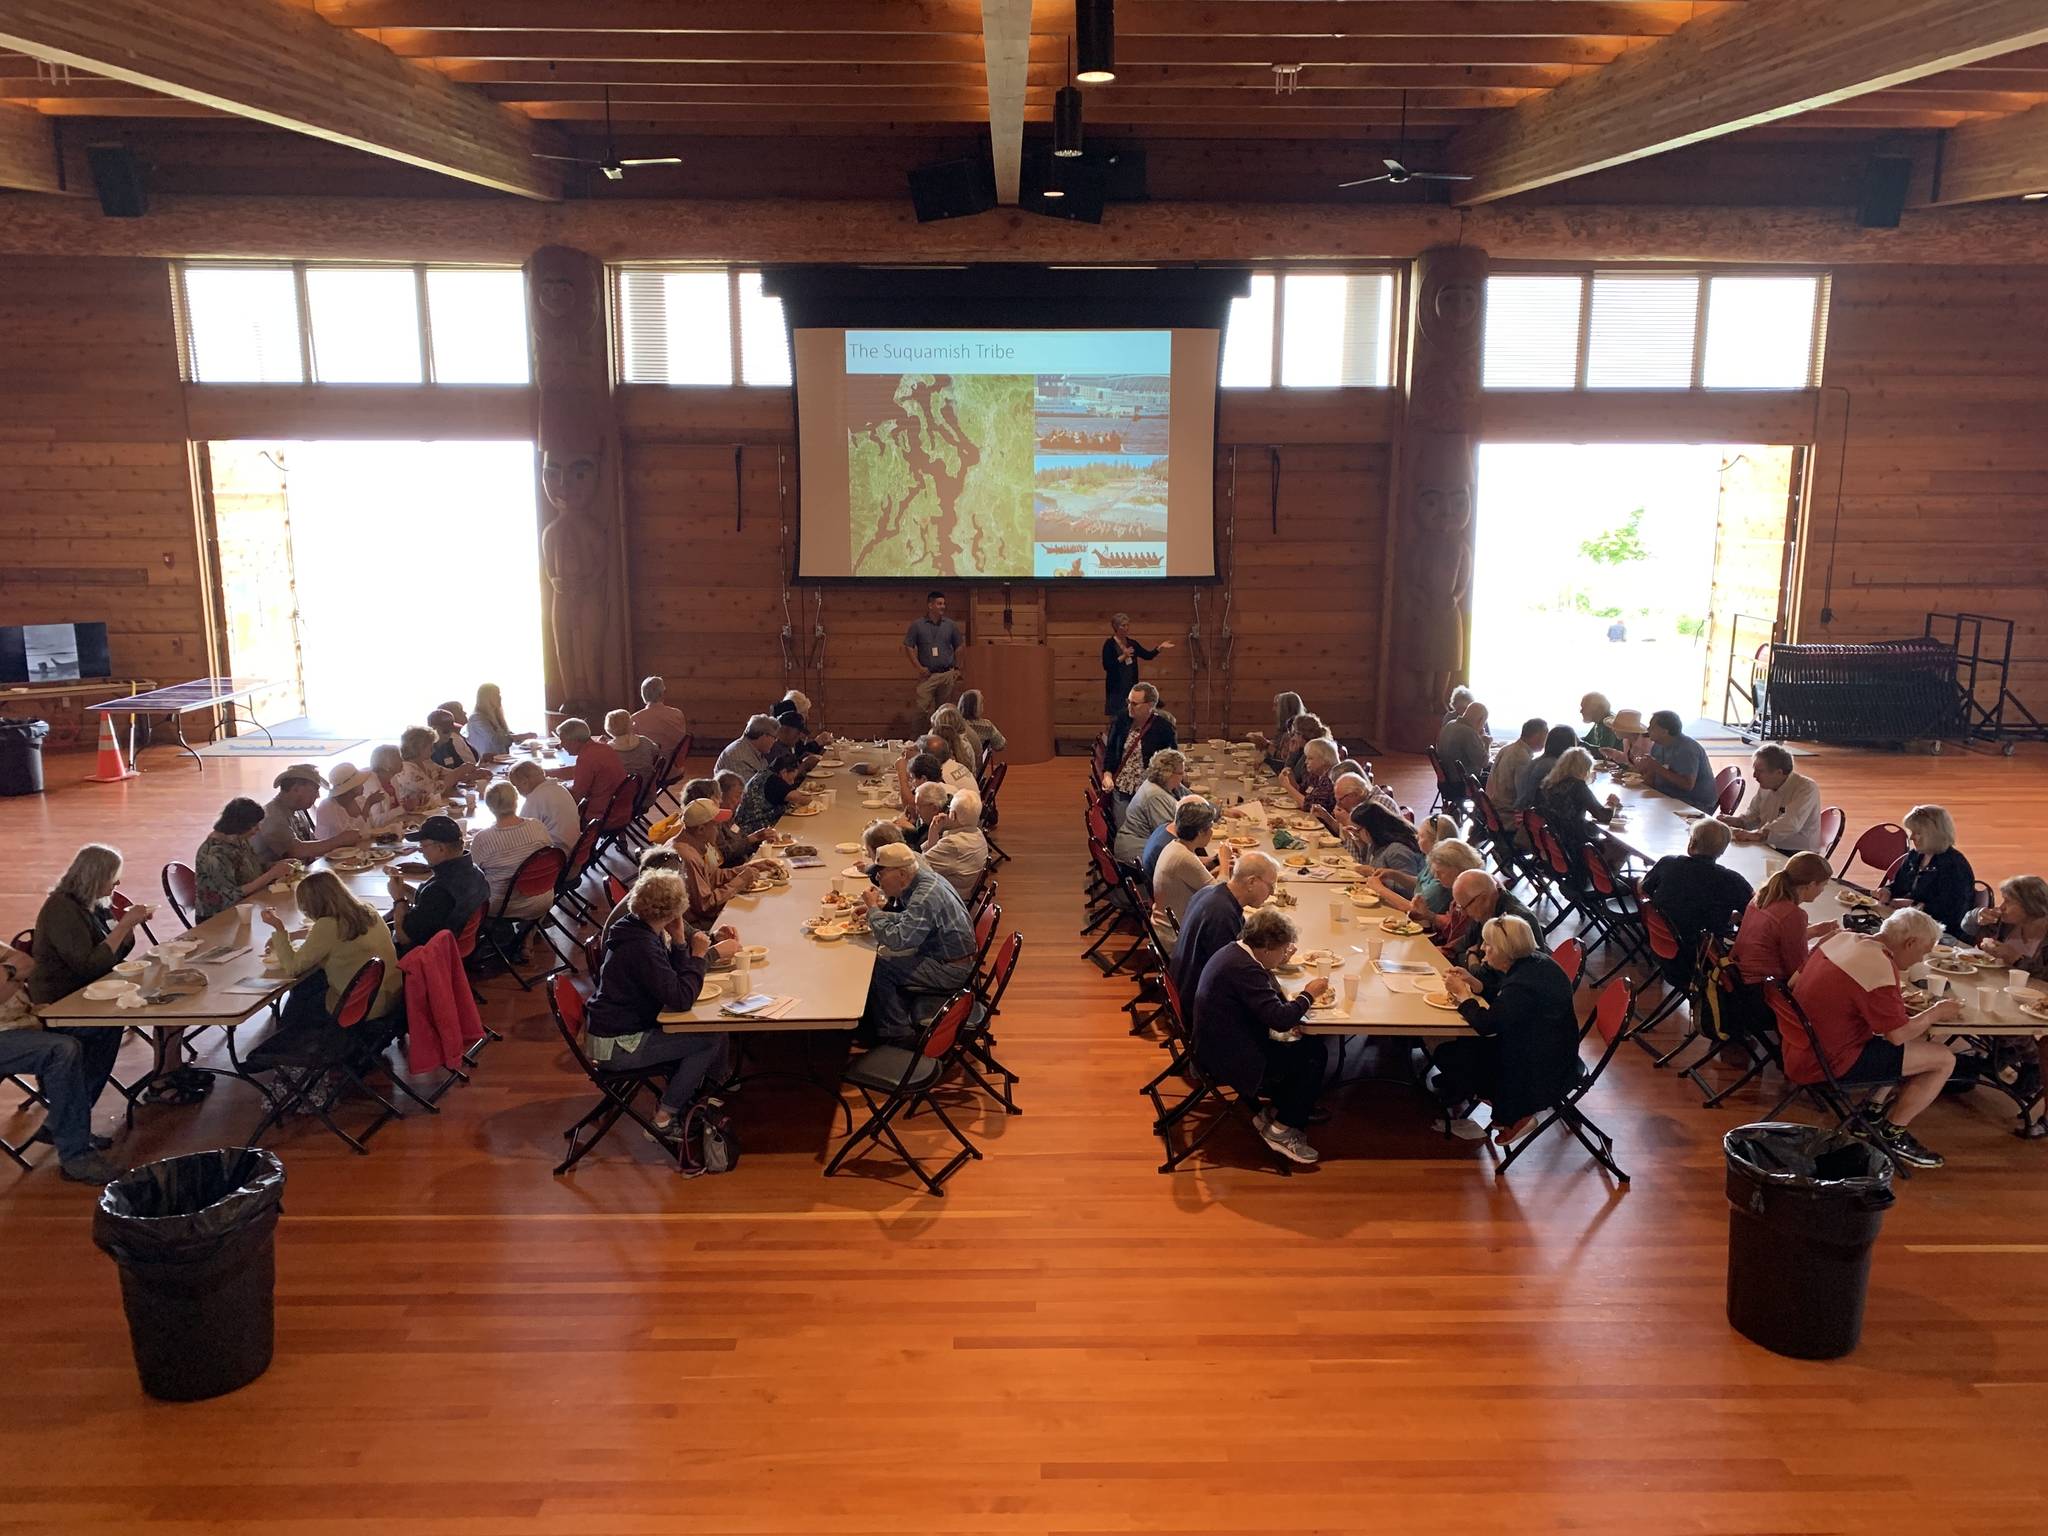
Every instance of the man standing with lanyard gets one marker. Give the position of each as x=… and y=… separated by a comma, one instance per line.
x=931, y=643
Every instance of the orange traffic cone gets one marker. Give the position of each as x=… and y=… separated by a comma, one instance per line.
x=111, y=769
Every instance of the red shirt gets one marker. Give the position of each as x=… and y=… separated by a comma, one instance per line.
x=1849, y=988
x=1771, y=944
x=596, y=777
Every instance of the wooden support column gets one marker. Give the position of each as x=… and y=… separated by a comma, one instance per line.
x=1439, y=473
x=576, y=430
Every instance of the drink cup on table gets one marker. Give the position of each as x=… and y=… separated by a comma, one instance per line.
x=1350, y=991
x=1987, y=1000
x=2016, y=980
x=1340, y=913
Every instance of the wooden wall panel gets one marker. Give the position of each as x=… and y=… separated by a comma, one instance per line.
x=96, y=516
x=1934, y=426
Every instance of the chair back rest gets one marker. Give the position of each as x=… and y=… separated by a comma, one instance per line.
x=1793, y=1024
x=540, y=871
x=181, y=890
x=24, y=942
x=565, y=1002
x=1489, y=814
x=120, y=903
x=996, y=776
x=465, y=941
x=625, y=802
x=1981, y=895
x=581, y=855
x=1611, y=1010
x=985, y=928
x=984, y=892
x=359, y=994
x=1663, y=937
x=1729, y=787
x=1832, y=824
x=1098, y=823
x=999, y=970
x=944, y=1030
x=1571, y=959
x=1555, y=859
x=1593, y=859
x=1881, y=847
x=614, y=890
x=1892, y=870
x=1176, y=1015
x=1105, y=864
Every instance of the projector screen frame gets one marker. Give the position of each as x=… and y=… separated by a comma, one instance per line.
x=1000, y=296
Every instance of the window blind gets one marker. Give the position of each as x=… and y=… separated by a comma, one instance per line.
x=366, y=324
x=1248, y=336
x=1532, y=331
x=242, y=325
x=1642, y=331
x=764, y=335
x=1760, y=332
x=675, y=327
x=1337, y=330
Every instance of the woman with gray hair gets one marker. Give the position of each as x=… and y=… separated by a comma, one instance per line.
x=1319, y=772
x=1934, y=876
x=1248, y=1034
x=1153, y=804
x=986, y=736
x=1526, y=1056
x=1445, y=857
x=950, y=726
x=1282, y=744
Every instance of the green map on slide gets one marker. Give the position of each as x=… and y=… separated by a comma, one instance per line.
x=940, y=474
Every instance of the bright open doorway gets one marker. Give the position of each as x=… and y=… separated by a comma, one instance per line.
x=1631, y=569
x=373, y=579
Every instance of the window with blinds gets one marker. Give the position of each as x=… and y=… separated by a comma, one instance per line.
x=703, y=326
x=1248, y=336
x=1614, y=329
x=265, y=323
x=1532, y=332
x=1311, y=330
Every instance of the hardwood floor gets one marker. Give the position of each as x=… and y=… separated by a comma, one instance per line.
x=1396, y=1341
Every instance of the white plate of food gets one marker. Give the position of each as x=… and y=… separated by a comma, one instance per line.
x=855, y=872
x=2037, y=1009
x=107, y=988
x=1362, y=896
x=831, y=762
x=1334, y=860
x=813, y=809
x=830, y=933
x=1440, y=1000
x=1860, y=901
x=848, y=848
x=712, y=991
x=1400, y=927
x=1952, y=967
x=1296, y=860
x=1327, y=957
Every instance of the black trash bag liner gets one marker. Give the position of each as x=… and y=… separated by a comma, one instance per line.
x=1808, y=1157
x=184, y=1207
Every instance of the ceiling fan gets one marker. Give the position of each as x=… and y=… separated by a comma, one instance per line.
x=1397, y=172
x=611, y=165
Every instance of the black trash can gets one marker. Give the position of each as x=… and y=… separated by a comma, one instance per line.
x=21, y=755
x=195, y=1240
x=1804, y=1208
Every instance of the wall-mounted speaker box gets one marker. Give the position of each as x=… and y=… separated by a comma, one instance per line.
x=1882, y=197
x=952, y=189
x=118, y=179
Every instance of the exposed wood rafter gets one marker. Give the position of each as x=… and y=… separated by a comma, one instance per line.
x=1006, y=49
x=1994, y=157
x=28, y=151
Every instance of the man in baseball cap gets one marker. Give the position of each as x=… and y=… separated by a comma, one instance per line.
x=286, y=831
x=456, y=889
x=924, y=938
x=710, y=887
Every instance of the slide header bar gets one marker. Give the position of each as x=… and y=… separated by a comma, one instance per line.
x=1074, y=353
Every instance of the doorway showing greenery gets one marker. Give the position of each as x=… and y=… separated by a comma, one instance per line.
x=1631, y=569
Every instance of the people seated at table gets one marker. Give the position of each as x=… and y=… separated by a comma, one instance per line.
x=344, y=809
x=1477, y=897
x=657, y=719
x=1504, y=778
x=1628, y=724
x=381, y=796
x=729, y=847
x=421, y=781
x=346, y=934
x=1383, y=840
x=499, y=850
x=1849, y=991
x=1134, y=736
x=286, y=830
x=1427, y=897
x=1696, y=893
x=654, y=964
x=924, y=944
x=1185, y=868
x=1785, y=810
x=1215, y=914
x=55, y=1058
x=1677, y=764
x=1567, y=802
x=1775, y=934
x=953, y=773
x=1524, y=1056
x=954, y=846
x=1454, y=706
x=487, y=729
x=638, y=753
x=1934, y=876
x=876, y=835
x=455, y=890
x=771, y=792
x=229, y=867
x=78, y=940
x=1597, y=715
x=1281, y=745
x=928, y=804
x=1556, y=742
x=1462, y=743
x=594, y=774
x=548, y=802
x=1152, y=803
x=710, y=884
x=1247, y=1032
x=1319, y=760
x=794, y=733
x=962, y=745
x=987, y=737
x=915, y=768
x=1156, y=841
x=452, y=751
x=747, y=753
x=2014, y=928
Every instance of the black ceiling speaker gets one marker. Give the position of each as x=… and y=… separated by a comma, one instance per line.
x=1095, y=41
x=952, y=189
x=1064, y=189
x=1882, y=197
x=118, y=179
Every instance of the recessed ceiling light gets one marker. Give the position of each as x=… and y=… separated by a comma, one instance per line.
x=1095, y=40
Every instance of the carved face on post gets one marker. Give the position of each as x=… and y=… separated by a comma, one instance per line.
x=570, y=483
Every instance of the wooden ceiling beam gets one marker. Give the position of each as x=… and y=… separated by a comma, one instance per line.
x=28, y=152
x=1994, y=158
x=1731, y=70
x=451, y=50
x=514, y=81
x=1134, y=18
x=280, y=64
x=1316, y=122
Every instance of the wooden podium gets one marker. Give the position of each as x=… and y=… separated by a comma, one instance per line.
x=1015, y=679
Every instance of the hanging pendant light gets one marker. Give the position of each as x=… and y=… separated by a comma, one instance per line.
x=1095, y=40
x=1066, y=122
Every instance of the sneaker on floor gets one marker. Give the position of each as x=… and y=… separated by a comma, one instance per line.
x=1262, y=1121
x=92, y=1168
x=1907, y=1148
x=1288, y=1142
x=43, y=1138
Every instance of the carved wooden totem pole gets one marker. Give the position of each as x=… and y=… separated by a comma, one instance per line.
x=1439, y=474
x=576, y=432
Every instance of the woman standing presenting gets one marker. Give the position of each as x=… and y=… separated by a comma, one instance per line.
x=1120, y=657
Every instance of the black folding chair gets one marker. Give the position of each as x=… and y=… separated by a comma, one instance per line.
x=539, y=874
x=354, y=1049
x=893, y=1079
x=1612, y=1012
x=1856, y=1108
x=618, y=1088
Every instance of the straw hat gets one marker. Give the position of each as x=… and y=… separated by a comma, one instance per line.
x=345, y=777
x=1628, y=722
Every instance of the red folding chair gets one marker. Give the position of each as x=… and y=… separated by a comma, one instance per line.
x=355, y=1049
x=1729, y=786
x=1832, y=823
x=1880, y=847
x=892, y=1079
x=539, y=874
x=618, y=1088
x=181, y=890
x=1611, y=1014
x=1571, y=958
